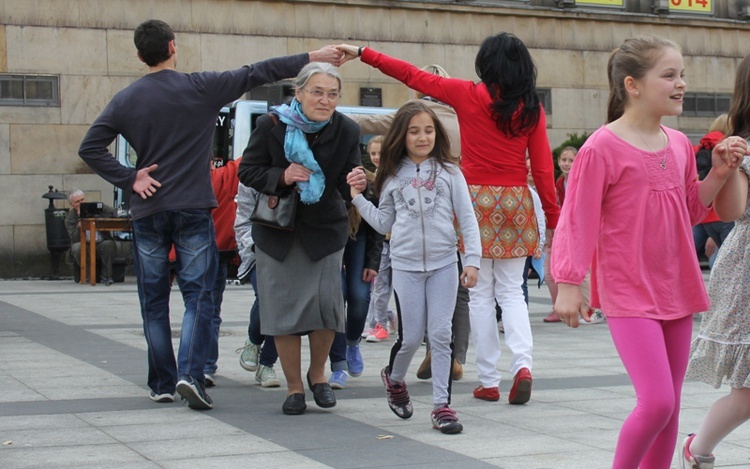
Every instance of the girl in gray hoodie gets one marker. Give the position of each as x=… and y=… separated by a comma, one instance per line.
x=422, y=192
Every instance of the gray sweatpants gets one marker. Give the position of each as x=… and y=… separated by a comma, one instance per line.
x=425, y=299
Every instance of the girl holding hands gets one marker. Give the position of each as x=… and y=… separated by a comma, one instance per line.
x=632, y=197
x=420, y=194
x=720, y=351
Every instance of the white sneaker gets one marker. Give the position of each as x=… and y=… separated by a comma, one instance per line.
x=266, y=376
x=249, y=355
x=367, y=332
x=596, y=317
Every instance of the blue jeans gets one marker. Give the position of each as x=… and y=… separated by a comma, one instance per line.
x=268, y=353
x=357, y=297
x=213, y=347
x=192, y=234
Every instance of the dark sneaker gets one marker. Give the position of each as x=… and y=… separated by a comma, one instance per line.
x=210, y=379
x=162, y=398
x=398, y=396
x=194, y=392
x=444, y=419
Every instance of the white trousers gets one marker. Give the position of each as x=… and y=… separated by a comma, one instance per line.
x=499, y=279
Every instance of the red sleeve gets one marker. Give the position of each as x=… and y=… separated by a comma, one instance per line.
x=447, y=90
x=696, y=209
x=543, y=170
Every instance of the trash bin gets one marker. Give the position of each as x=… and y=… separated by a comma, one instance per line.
x=58, y=241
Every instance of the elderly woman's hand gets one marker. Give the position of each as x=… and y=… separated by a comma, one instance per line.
x=350, y=52
x=295, y=173
x=328, y=54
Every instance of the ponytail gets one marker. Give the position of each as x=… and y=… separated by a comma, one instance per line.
x=615, y=104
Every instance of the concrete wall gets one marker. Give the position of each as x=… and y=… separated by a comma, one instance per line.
x=88, y=43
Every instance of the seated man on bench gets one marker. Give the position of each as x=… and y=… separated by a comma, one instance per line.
x=106, y=248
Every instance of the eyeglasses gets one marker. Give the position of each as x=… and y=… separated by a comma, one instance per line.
x=318, y=94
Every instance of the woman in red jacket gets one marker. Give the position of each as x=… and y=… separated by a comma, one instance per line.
x=501, y=120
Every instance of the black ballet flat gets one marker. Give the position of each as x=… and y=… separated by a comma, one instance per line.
x=323, y=394
x=294, y=404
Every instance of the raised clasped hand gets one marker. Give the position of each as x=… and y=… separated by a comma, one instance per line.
x=730, y=152
x=350, y=52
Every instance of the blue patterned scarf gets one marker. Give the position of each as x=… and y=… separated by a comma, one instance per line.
x=297, y=150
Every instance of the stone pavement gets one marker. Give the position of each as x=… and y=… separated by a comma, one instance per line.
x=73, y=394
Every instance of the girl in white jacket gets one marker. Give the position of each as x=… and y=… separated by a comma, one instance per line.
x=421, y=194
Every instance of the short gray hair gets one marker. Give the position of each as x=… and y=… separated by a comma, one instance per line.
x=74, y=193
x=314, y=68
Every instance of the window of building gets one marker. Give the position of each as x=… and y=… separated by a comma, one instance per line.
x=29, y=90
x=545, y=97
x=706, y=104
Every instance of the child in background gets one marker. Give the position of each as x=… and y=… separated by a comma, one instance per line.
x=421, y=193
x=720, y=351
x=710, y=234
x=380, y=320
x=259, y=352
x=565, y=161
x=632, y=198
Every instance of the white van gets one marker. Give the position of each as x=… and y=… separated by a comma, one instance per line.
x=235, y=123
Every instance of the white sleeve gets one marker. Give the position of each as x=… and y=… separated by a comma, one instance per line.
x=539, y=216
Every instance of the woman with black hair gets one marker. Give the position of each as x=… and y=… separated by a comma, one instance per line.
x=501, y=121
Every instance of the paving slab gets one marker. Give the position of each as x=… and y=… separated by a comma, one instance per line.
x=73, y=395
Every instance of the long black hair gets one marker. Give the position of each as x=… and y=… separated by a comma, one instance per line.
x=505, y=66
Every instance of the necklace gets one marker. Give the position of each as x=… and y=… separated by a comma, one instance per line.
x=663, y=161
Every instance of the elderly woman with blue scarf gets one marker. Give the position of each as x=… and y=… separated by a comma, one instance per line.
x=307, y=147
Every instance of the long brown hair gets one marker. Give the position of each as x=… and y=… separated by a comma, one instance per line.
x=634, y=58
x=393, y=149
x=739, y=111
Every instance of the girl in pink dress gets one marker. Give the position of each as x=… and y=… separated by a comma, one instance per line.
x=633, y=195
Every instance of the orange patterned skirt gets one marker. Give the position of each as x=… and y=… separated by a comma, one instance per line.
x=507, y=224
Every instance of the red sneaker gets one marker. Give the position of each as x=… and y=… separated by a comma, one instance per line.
x=520, y=393
x=487, y=394
x=552, y=317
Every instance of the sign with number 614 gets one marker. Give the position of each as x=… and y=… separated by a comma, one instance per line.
x=693, y=6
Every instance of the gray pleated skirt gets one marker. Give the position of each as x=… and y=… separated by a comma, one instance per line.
x=299, y=295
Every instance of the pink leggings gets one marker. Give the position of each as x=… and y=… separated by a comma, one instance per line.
x=655, y=354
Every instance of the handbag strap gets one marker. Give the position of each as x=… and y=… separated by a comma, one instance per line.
x=273, y=119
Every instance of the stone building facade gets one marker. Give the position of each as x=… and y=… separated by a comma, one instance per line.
x=87, y=45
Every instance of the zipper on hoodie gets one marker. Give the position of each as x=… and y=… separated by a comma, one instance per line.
x=421, y=219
